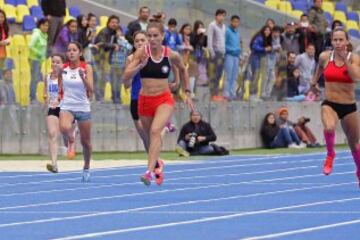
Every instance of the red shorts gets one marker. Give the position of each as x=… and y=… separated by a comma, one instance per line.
x=147, y=105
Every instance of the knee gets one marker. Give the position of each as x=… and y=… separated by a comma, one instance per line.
x=155, y=132
x=52, y=135
x=86, y=143
x=65, y=128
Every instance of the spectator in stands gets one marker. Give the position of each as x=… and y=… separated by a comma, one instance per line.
x=4, y=37
x=69, y=33
x=335, y=24
x=270, y=23
x=260, y=44
x=293, y=81
x=305, y=134
x=172, y=37
x=291, y=38
x=198, y=40
x=272, y=58
x=106, y=41
x=318, y=20
x=306, y=33
x=306, y=64
x=37, y=54
x=117, y=62
x=188, y=56
x=195, y=136
x=276, y=135
x=84, y=34
x=216, y=46
x=232, y=58
x=7, y=94
x=91, y=48
x=139, y=24
x=160, y=17
x=280, y=86
x=55, y=11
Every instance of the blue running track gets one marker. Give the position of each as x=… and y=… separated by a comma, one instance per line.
x=230, y=198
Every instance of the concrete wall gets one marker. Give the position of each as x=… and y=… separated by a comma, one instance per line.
x=237, y=124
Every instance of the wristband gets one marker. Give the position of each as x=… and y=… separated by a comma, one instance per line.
x=187, y=91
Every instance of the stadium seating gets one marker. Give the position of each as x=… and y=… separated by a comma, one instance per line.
x=11, y=2
x=339, y=15
x=37, y=12
x=340, y=6
x=21, y=2
x=328, y=7
x=74, y=12
x=2, y=3
x=31, y=3
x=353, y=16
x=301, y=6
x=329, y=17
x=10, y=11
x=354, y=33
x=352, y=25
x=68, y=18
x=103, y=20
x=271, y=4
x=28, y=23
x=21, y=11
x=284, y=7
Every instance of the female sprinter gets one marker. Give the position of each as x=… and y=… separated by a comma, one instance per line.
x=155, y=104
x=76, y=87
x=341, y=69
x=51, y=90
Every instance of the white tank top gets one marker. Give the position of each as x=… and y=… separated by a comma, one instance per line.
x=75, y=97
x=52, y=91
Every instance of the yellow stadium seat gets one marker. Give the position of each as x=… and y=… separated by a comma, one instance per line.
x=28, y=39
x=40, y=92
x=271, y=4
x=352, y=25
x=8, y=51
x=46, y=67
x=107, y=92
x=18, y=40
x=67, y=13
x=284, y=7
x=10, y=12
x=68, y=18
x=103, y=20
x=339, y=15
x=297, y=13
x=31, y=3
x=125, y=96
x=98, y=29
x=328, y=7
x=21, y=11
x=2, y=4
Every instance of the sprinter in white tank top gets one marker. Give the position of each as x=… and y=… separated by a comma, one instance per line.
x=76, y=88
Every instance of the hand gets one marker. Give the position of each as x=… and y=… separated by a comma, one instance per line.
x=201, y=138
x=143, y=60
x=315, y=89
x=188, y=136
x=343, y=53
x=82, y=75
x=117, y=47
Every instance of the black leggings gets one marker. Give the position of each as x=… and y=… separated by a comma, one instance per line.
x=341, y=109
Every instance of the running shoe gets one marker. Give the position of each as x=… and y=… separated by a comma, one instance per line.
x=51, y=168
x=71, y=148
x=328, y=164
x=181, y=151
x=159, y=172
x=86, y=175
x=146, y=178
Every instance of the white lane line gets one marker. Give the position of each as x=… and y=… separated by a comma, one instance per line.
x=110, y=9
x=110, y=185
x=175, y=171
x=216, y=185
x=231, y=159
x=204, y=220
x=303, y=230
x=56, y=219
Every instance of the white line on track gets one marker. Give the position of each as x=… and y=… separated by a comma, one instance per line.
x=165, y=205
x=175, y=171
x=304, y=230
x=206, y=220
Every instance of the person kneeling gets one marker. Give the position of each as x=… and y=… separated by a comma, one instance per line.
x=195, y=136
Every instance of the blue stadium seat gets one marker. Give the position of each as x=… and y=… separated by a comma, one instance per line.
x=74, y=12
x=37, y=12
x=329, y=17
x=23, y=2
x=353, y=16
x=340, y=6
x=260, y=1
x=28, y=23
x=11, y=2
x=354, y=33
x=302, y=6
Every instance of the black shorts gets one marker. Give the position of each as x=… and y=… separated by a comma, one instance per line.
x=134, y=110
x=341, y=109
x=54, y=112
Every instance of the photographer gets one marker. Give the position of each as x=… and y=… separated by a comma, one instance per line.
x=305, y=134
x=195, y=136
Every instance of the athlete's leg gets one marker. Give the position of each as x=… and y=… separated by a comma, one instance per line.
x=67, y=129
x=52, y=123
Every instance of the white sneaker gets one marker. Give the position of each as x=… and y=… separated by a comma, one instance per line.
x=293, y=145
x=302, y=145
x=86, y=175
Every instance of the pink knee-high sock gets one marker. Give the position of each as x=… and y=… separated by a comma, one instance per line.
x=330, y=142
x=356, y=156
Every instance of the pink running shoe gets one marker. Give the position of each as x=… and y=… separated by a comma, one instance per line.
x=159, y=173
x=146, y=178
x=328, y=164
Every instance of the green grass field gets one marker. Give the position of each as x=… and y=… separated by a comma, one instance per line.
x=164, y=155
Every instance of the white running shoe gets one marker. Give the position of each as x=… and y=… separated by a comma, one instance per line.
x=86, y=175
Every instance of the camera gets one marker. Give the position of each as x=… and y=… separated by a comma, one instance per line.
x=192, y=140
x=306, y=120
